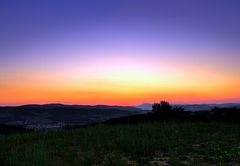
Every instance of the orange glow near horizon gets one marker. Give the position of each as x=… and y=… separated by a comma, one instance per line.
x=123, y=83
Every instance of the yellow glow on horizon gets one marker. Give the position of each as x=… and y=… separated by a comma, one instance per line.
x=123, y=83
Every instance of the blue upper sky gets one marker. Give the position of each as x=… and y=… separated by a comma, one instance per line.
x=27, y=20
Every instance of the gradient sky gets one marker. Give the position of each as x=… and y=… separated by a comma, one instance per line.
x=124, y=52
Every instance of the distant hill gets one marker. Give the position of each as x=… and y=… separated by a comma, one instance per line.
x=193, y=107
x=59, y=115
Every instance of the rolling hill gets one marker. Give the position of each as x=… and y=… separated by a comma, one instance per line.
x=51, y=116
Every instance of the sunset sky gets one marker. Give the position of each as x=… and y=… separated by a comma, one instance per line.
x=119, y=52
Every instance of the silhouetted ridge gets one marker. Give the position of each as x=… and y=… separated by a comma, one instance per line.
x=163, y=111
x=59, y=115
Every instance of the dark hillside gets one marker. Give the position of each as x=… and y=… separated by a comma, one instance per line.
x=165, y=112
x=58, y=115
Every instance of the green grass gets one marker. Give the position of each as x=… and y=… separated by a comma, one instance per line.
x=143, y=144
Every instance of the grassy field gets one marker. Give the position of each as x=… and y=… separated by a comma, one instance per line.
x=112, y=145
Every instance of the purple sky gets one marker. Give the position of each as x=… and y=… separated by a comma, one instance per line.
x=66, y=43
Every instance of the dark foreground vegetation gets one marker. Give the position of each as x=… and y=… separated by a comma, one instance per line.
x=167, y=136
x=10, y=129
x=158, y=143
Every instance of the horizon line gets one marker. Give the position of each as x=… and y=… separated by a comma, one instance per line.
x=59, y=103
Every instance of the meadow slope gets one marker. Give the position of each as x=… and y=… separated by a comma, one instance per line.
x=156, y=143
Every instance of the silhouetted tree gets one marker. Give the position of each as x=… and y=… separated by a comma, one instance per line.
x=163, y=106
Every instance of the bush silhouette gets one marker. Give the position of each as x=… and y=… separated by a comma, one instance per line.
x=163, y=106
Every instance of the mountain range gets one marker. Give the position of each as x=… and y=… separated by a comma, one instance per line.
x=193, y=107
x=53, y=116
